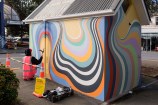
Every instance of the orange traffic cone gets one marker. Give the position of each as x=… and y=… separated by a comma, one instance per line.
x=8, y=60
x=42, y=71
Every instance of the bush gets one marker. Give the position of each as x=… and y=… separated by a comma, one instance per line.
x=8, y=86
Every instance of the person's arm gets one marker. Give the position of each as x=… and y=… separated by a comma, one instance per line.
x=35, y=61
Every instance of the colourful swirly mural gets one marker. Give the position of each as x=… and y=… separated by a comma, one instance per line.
x=78, y=57
x=122, y=57
x=98, y=57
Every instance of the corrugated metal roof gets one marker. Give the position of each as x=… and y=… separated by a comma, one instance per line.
x=82, y=6
x=59, y=9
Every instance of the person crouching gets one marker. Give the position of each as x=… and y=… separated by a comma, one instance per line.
x=29, y=71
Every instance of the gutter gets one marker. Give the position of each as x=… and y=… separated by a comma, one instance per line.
x=109, y=12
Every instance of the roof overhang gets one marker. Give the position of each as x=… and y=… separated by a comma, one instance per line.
x=142, y=12
x=40, y=14
x=149, y=29
x=12, y=22
x=94, y=14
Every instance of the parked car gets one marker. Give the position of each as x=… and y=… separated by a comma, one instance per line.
x=10, y=44
x=16, y=38
x=22, y=42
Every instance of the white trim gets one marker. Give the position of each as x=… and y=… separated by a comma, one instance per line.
x=93, y=14
x=12, y=22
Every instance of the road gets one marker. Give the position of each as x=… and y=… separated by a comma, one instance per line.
x=13, y=63
x=152, y=56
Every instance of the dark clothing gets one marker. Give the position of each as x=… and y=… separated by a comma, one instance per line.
x=35, y=61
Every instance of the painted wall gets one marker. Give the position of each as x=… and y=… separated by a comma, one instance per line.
x=123, y=55
x=98, y=57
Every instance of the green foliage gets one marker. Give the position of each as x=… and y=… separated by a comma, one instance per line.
x=8, y=86
x=152, y=7
x=2, y=66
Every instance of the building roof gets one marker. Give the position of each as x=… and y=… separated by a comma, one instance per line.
x=9, y=13
x=149, y=29
x=64, y=9
x=11, y=16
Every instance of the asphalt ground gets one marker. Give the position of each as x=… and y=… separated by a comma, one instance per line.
x=145, y=94
x=27, y=87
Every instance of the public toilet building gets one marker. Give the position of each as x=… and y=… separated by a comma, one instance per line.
x=94, y=46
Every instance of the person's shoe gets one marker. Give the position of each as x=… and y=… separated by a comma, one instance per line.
x=31, y=78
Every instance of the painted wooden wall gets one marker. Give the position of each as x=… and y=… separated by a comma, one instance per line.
x=98, y=57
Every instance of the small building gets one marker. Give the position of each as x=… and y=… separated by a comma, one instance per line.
x=8, y=17
x=150, y=35
x=94, y=46
x=11, y=17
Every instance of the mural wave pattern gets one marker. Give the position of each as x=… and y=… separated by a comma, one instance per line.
x=88, y=78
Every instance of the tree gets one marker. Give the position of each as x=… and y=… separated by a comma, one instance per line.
x=152, y=6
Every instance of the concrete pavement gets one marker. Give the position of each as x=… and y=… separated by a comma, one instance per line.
x=141, y=96
x=27, y=87
x=18, y=50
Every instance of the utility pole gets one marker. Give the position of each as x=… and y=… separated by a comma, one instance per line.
x=2, y=31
